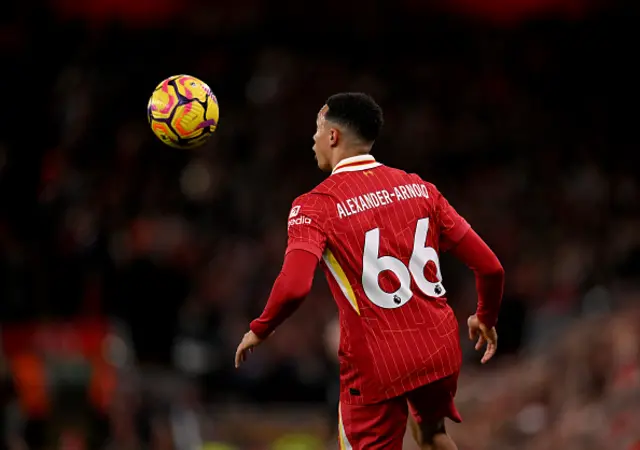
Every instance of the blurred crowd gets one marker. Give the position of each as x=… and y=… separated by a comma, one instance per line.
x=582, y=393
x=529, y=132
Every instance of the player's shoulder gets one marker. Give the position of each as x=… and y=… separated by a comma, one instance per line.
x=311, y=203
x=318, y=194
x=325, y=188
x=411, y=177
x=397, y=172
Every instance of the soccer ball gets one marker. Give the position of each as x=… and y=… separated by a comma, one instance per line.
x=183, y=112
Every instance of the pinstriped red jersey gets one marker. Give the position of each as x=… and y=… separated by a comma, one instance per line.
x=379, y=232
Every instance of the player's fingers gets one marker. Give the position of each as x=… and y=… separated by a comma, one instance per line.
x=492, y=337
x=239, y=356
x=473, y=329
x=481, y=342
x=473, y=333
x=488, y=354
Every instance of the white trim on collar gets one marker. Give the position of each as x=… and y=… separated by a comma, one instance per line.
x=355, y=163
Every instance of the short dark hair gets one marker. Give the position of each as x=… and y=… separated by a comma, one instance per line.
x=358, y=112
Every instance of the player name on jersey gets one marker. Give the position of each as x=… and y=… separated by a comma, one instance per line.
x=370, y=200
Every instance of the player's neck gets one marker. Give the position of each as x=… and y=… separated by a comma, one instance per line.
x=341, y=156
x=357, y=162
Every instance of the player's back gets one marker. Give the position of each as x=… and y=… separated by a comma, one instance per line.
x=384, y=230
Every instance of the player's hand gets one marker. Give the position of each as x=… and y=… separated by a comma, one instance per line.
x=484, y=335
x=248, y=343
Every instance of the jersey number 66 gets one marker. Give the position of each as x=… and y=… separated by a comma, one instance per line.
x=373, y=265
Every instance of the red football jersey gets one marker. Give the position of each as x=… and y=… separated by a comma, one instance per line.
x=378, y=232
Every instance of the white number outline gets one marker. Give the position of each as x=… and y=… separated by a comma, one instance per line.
x=373, y=265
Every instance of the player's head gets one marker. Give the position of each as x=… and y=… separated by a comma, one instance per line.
x=347, y=125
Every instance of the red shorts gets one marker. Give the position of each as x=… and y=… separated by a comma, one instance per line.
x=383, y=425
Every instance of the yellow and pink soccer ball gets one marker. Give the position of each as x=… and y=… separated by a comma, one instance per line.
x=183, y=112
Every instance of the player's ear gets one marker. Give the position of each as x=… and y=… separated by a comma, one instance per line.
x=334, y=136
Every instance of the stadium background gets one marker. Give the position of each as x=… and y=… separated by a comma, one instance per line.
x=129, y=271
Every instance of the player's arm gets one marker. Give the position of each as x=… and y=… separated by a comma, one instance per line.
x=477, y=255
x=489, y=284
x=305, y=246
x=465, y=244
x=291, y=287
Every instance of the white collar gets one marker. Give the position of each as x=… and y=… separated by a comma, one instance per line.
x=355, y=163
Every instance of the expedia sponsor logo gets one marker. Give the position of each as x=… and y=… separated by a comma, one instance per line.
x=302, y=220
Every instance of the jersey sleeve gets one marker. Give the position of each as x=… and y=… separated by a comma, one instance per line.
x=305, y=226
x=453, y=226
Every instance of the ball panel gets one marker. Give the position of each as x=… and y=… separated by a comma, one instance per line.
x=163, y=101
x=192, y=88
x=196, y=141
x=212, y=111
x=188, y=120
x=167, y=81
x=164, y=132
